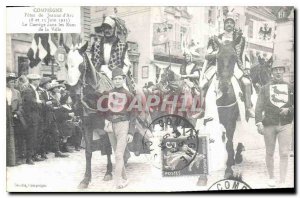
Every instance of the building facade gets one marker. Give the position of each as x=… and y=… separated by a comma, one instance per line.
x=285, y=39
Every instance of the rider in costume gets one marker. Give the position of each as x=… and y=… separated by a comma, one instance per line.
x=112, y=50
x=241, y=72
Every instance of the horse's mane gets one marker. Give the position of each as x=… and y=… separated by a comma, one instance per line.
x=89, y=76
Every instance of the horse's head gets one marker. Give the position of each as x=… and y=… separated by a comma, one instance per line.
x=226, y=60
x=76, y=64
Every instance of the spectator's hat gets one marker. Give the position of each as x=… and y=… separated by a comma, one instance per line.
x=54, y=85
x=45, y=80
x=150, y=84
x=11, y=76
x=279, y=64
x=33, y=76
x=61, y=81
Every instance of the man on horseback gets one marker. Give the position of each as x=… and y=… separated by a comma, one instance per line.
x=240, y=71
x=190, y=73
x=112, y=50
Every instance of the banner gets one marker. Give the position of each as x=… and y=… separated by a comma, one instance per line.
x=161, y=33
x=264, y=31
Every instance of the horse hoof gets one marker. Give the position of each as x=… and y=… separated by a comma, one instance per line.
x=107, y=177
x=83, y=185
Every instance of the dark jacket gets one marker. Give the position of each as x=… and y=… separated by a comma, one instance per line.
x=272, y=97
x=64, y=121
x=31, y=108
x=47, y=111
x=130, y=115
x=17, y=108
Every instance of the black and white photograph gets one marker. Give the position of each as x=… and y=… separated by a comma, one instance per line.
x=150, y=98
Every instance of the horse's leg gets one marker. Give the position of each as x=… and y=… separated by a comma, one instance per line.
x=228, y=118
x=108, y=174
x=88, y=137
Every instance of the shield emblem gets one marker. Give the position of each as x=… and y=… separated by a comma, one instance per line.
x=116, y=101
x=279, y=94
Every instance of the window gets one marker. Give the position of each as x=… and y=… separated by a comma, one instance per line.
x=183, y=31
x=250, y=29
x=23, y=65
x=145, y=72
x=281, y=14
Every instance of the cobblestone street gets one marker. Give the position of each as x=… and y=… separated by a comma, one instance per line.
x=57, y=174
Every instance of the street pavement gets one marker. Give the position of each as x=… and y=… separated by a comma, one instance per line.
x=64, y=174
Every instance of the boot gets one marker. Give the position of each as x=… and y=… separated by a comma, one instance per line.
x=60, y=154
x=66, y=149
x=29, y=161
x=77, y=148
x=44, y=156
x=37, y=158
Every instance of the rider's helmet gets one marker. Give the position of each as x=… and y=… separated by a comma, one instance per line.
x=230, y=16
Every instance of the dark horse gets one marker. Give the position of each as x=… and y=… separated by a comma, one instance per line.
x=84, y=84
x=171, y=86
x=227, y=104
x=261, y=73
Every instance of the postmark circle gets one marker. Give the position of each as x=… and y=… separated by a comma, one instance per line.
x=229, y=184
x=173, y=144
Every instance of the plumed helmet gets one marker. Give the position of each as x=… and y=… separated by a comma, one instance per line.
x=230, y=16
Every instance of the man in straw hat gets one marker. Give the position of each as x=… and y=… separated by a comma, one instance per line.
x=274, y=114
x=49, y=119
x=32, y=110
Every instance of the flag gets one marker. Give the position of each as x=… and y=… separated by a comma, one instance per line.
x=72, y=40
x=161, y=33
x=264, y=31
x=42, y=47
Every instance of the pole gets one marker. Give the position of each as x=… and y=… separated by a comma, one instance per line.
x=52, y=68
x=170, y=59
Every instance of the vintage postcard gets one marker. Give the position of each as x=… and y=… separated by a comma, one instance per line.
x=150, y=99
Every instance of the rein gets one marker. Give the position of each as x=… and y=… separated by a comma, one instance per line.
x=226, y=106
